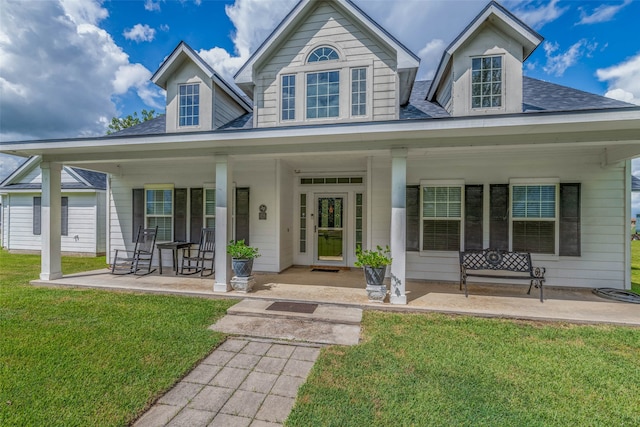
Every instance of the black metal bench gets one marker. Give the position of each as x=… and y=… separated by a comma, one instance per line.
x=497, y=264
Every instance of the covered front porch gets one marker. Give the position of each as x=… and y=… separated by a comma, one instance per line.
x=346, y=287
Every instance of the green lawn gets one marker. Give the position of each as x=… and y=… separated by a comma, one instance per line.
x=635, y=266
x=92, y=358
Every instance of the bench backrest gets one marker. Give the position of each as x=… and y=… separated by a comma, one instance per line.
x=493, y=259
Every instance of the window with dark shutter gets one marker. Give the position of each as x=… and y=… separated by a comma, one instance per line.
x=499, y=217
x=180, y=215
x=441, y=235
x=413, y=218
x=64, y=227
x=242, y=214
x=37, y=215
x=570, y=220
x=137, y=198
x=473, y=217
x=196, y=214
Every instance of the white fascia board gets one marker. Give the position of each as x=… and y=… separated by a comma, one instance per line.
x=405, y=58
x=22, y=170
x=612, y=121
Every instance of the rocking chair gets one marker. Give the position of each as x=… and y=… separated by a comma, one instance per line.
x=142, y=254
x=204, y=254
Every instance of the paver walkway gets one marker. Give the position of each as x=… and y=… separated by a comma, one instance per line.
x=244, y=382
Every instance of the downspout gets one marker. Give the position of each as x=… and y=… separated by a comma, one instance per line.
x=627, y=222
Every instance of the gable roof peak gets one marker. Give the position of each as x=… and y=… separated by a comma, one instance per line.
x=184, y=52
x=407, y=61
x=498, y=15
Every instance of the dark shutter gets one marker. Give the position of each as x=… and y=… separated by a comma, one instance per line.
x=180, y=215
x=242, y=214
x=138, y=211
x=64, y=208
x=499, y=216
x=197, y=213
x=473, y=217
x=441, y=235
x=37, y=215
x=569, y=219
x=413, y=218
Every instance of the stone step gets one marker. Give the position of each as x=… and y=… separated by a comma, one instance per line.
x=326, y=313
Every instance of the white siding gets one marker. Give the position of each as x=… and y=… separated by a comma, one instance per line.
x=286, y=212
x=191, y=74
x=81, y=238
x=101, y=222
x=326, y=25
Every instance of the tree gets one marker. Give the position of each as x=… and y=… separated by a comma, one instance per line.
x=117, y=124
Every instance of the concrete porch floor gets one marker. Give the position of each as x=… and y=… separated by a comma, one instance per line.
x=346, y=287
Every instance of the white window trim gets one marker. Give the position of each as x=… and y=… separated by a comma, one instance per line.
x=368, y=93
x=296, y=88
x=502, y=106
x=535, y=182
x=344, y=67
x=178, y=126
x=204, y=205
x=173, y=205
x=441, y=183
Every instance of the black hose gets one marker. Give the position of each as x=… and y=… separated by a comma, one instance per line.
x=618, y=295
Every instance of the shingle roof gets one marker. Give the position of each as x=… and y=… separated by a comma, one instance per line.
x=96, y=180
x=538, y=96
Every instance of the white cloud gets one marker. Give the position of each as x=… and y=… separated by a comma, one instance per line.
x=535, y=13
x=623, y=80
x=430, y=56
x=8, y=164
x=152, y=6
x=557, y=63
x=62, y=86
x=140, y=33
x=602, y=13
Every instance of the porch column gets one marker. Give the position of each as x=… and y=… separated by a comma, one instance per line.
x=224, y=193
x=50, y=221
x=398, y=225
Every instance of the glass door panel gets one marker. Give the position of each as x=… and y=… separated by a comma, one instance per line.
x=330, y=237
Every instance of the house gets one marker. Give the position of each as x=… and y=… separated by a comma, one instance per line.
x=82, y=204
x=330, y=143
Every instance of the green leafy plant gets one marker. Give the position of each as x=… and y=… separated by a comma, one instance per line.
x=375, y=258
x=239, y=250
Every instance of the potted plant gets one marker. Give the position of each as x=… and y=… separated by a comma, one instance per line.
x=374, y=263
x=242, y=257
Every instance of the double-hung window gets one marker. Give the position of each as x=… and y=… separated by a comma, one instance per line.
x=288, y=97
x=210, y=207
x=534, y=217
x=159, y=210
x=441, y=217
x=359, y=92
x=486, y=82
x=189, y=105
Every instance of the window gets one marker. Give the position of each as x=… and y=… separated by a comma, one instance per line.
x=289, y=97
x=210, y=207
x=323, y=94
x=359, y=92
x=534, y=217
x=303, y=223
x=189, y=105
x=37, y=216
x=441, y=217
x=486, y=82
x=159, y=211
x=323, y=54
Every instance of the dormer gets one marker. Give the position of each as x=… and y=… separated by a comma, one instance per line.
x=327, y=62
x=481, y=70
x=198, y=99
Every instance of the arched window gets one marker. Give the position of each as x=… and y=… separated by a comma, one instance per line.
x=323, y=54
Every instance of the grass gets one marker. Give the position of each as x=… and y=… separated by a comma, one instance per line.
x=433, y=369
x=86, y=357
x=454, y=370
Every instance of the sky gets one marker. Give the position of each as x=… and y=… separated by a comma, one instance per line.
x=68, y=66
